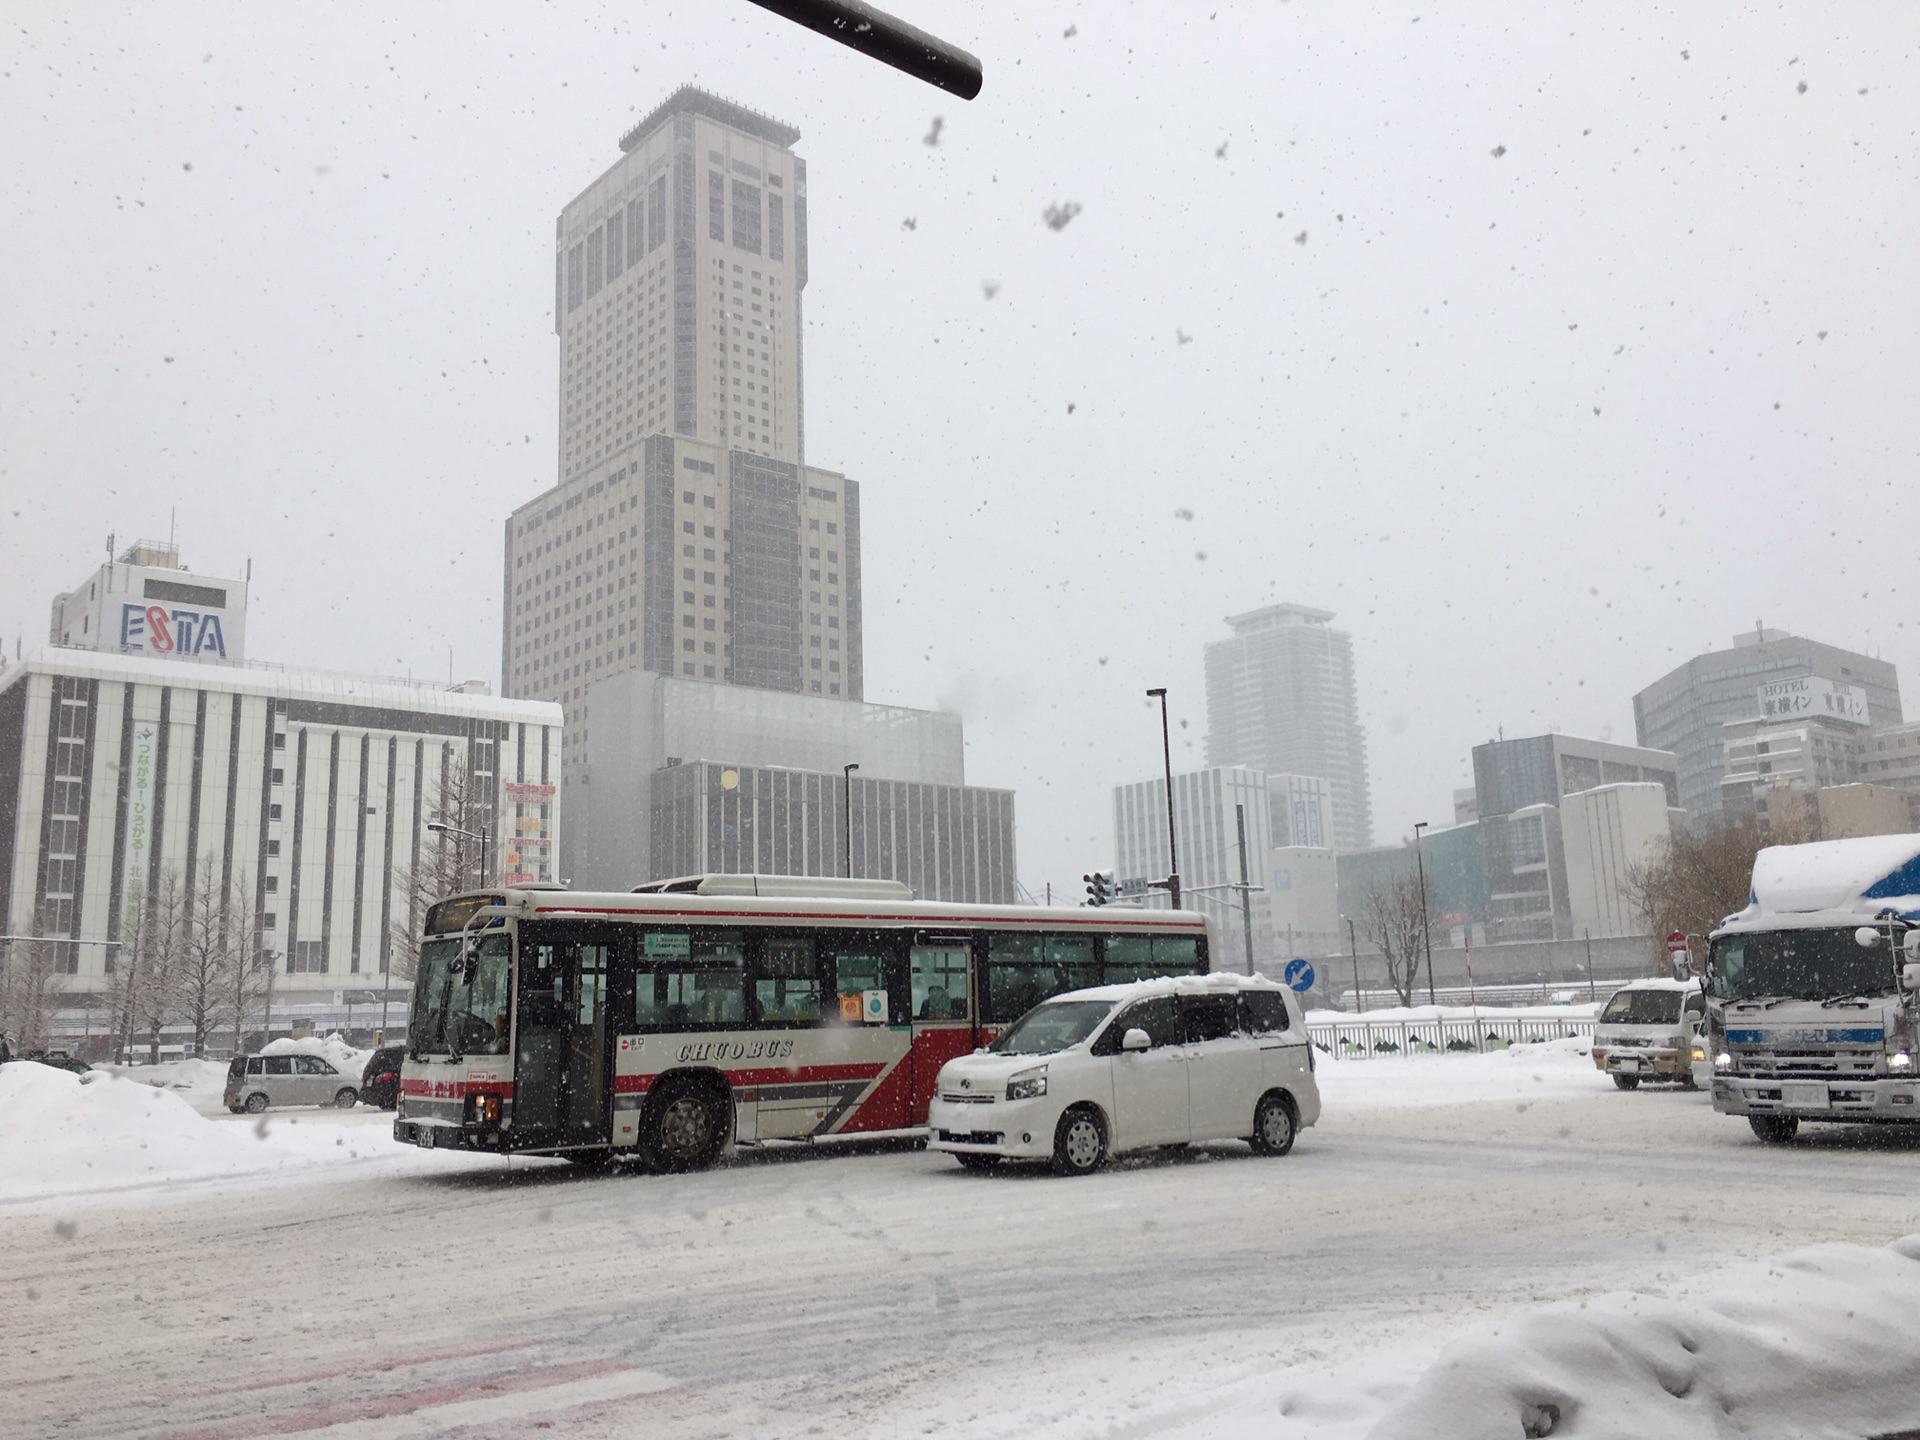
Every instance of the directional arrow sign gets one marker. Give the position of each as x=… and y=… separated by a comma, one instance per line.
x=1298, y=975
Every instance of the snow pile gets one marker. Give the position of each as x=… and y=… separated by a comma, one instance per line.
x=332, y=1049
x=201, y=1081
x=1524, y=1073
x=67, y=1134
x=1818, y=1343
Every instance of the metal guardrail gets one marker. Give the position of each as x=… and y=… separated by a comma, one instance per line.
x=1380, y=1039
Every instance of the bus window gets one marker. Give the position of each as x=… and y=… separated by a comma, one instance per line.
x=855, y=971
x=1023, y=970
x=787, y=982
x=939, y=982
x=1176, y=955
x=691, y=978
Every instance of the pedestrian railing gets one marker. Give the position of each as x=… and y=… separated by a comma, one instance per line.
x=1362, y=1039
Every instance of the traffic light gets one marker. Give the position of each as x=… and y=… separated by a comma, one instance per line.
x=1100, y=887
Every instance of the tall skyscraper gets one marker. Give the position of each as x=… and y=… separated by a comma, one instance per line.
x=685, y=536
x=1280, y=698
x=1687, y=709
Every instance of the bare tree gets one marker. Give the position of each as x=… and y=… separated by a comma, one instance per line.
x=245, y=966
x=451, y=861
x=1394, y=919
x=200, y=954
x=1702, y=873
x=32, y=978
x=153, y=981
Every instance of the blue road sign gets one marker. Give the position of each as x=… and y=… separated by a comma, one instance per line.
x=1298, y=975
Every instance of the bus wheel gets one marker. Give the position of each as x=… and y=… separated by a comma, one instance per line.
x=1775, y=1129
x=1626, y=1082
x=686, y=1128
x=1079, y=1142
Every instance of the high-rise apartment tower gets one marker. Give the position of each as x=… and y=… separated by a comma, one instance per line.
x=1280, y=698
x=686, y=536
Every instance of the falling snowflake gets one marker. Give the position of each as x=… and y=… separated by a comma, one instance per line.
x=1058, y=215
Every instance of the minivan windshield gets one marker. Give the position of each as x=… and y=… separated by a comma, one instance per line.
x=1642, y=1007
x=1796, y=964
x=1052, y=1027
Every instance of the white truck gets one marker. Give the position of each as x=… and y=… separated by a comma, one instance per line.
x=1811, y=989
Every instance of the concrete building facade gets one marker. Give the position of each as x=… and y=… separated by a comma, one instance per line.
x=305, y=794
x=1687, y=710
x=1606, y=832
x=148, y=603
x=686, y=535
x=1281, y=699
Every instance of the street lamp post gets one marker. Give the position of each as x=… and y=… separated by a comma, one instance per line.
x=440, y=827
x=1353, y=948
x=846, y=780
x=1426, y=925
x=1166, y=755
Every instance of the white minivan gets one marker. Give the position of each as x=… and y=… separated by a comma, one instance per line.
x=1650, y=1030
x=1094, y=1073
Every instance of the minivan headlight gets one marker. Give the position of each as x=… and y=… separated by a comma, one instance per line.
x=1027, y=1084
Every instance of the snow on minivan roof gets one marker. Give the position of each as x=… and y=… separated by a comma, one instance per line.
x=1171, y=985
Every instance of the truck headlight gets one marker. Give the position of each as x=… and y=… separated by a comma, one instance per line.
x=1900, y=1060
x=1723, y=1061
x=1027, y=1084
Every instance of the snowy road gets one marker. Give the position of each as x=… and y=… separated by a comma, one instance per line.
x=891, y=1293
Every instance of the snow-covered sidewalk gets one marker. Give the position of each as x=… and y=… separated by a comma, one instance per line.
x=99, y=1135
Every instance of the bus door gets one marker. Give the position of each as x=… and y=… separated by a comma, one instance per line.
x=942, y=1014
x=561, y=1059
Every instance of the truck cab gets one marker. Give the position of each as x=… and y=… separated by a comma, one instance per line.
x=1811, y=990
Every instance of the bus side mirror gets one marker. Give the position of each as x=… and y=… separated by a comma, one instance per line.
x=1136, y=1039
x=1911, y=944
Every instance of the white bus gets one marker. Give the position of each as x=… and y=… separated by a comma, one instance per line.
x=662, y=1022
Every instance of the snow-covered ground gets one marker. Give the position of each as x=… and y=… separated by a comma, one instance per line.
x=1462, y=1238
x=98, y=1137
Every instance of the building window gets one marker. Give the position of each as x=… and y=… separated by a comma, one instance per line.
x=279, y=776
x=307, y=957
x=716, y=205
x=273, y=884
x=273, y=847
x=280, y=740
x=273, y=812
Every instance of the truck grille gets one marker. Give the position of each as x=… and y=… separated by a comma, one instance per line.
x=1806, y=1062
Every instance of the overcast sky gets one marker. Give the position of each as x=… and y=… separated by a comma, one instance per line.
x=1546, y=344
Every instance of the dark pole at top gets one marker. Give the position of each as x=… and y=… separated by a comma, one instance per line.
x=887, y=39
x=1166, y=755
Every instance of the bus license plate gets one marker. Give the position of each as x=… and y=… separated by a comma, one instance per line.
x=1805, y=1095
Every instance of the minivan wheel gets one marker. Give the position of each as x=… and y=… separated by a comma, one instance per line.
x=256, y=1103
x=1626, y=1082
x=1273, y=1126
x=1775, y=1129
x=344, y=1097
x=1079, y=1142
x=686, y=1129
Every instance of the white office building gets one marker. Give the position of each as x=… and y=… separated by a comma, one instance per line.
x=296, y=799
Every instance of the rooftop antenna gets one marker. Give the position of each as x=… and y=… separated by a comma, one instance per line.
x=171, y=514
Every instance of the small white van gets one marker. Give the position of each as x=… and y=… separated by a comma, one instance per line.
x=1649, y=1031
x=1094, y=1073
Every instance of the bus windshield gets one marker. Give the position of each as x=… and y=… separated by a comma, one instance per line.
x=1796, y=964
x=455, y=1016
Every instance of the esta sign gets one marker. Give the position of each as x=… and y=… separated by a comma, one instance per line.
x=162, y=631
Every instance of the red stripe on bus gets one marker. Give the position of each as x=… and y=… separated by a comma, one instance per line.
x=456, y=1089
x=750, y=1079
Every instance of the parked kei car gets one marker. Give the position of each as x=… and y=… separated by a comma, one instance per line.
x=380, y=1081
x=1095, y=1073
x=1650, y=1030
x=255, y=1082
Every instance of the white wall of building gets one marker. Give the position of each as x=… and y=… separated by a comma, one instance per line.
x=1606, y=831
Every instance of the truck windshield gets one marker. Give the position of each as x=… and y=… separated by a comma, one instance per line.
x=452, y=1015
x=1052, y=1027
x=1799, y=964
x=1642, y=1007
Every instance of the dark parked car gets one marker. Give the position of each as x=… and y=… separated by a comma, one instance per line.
x=58, y=1059
x=380, y=1081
